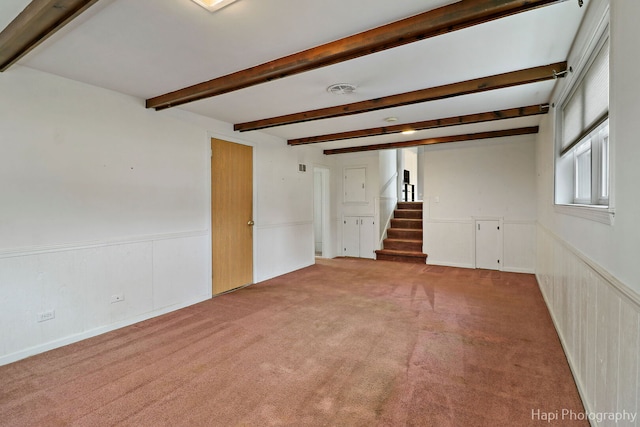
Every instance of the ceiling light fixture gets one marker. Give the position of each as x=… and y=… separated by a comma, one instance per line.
x=408, y=132
x=213, y=5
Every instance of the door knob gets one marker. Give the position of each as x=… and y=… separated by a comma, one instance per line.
x=250, y=222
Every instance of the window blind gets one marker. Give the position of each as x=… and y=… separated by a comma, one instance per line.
x=588, y=105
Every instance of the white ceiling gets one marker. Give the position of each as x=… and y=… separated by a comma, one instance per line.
x=146, y=48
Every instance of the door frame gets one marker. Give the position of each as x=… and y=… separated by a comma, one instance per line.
x=325, y=200
x=235, y=140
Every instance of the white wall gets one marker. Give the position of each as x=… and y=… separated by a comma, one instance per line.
x=480, y=179
x=388, y=193
x=408, y=160
x=284, y=235
x=588, y=271
x=101, y=196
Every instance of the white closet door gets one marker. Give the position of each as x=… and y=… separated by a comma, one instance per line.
x=366, y=237
x=488, y=244
x=351, y=236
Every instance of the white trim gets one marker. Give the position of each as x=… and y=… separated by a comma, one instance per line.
x=520, y=221
x=519, y=270
x=604, y=215
x=13, y=357
x=36, y=250
x=448, y=221
x=449, y=264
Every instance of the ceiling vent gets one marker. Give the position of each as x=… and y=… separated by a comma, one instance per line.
x=341, y=89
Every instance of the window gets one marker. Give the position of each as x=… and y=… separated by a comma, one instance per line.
x=591, y=168
x=582, y=159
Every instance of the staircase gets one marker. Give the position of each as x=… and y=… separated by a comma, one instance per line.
x=404, y=237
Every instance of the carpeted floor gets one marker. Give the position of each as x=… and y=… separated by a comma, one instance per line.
x=346, y=342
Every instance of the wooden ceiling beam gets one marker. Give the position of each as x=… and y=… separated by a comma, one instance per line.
x=453, y=17
x=510, y=113
x=483, y=84
x=439, y=140
x=37, y=22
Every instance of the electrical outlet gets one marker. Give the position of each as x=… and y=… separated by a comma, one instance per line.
x=117, y=298
x=46, y=315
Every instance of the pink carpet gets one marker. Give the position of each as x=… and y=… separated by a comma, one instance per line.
x=345, y=342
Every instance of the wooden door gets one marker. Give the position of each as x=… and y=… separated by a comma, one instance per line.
x=231, y=215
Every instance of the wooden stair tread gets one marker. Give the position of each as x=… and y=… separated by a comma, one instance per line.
x=405, y=235
x=401, y=253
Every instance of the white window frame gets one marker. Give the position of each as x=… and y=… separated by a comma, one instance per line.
x=599, y=207
x=597, y=143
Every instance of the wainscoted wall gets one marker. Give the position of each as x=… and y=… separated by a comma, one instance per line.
x=281, y=249
x=519, y=246
x=491, y=179
x=598, y=321
x=155, y=274
x=101, y=196
x=449, y=242
x=452, y=242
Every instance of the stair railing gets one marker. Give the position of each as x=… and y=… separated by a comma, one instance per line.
x=405, y=192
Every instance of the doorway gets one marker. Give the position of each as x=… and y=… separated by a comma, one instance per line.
x=231, y=215
x=321, y=212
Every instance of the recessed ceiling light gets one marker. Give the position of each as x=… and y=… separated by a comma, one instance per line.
x=408, y=132
x=391, y=119
x=213, y=5
x=341, y=88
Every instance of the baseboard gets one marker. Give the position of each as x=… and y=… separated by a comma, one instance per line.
x=519, y=270
x=32, y=351
x=449, y=264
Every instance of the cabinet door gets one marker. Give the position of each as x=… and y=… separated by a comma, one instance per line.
x=488, y=245
x=355, y=185
x=351, y=236
x=366, y=237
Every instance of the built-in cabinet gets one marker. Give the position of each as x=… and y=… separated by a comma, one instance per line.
x=358, y=236
x=355, y=184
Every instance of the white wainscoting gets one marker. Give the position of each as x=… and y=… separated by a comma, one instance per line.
x=282, y=248
x=598, y=320
x=451, y=242
x=519, y=250
x=155, y=274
